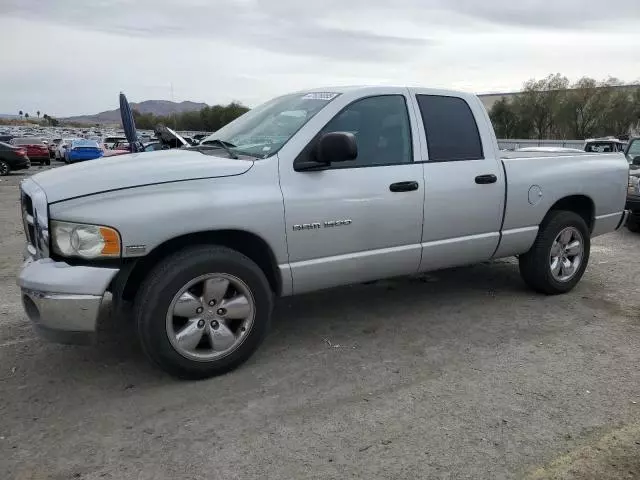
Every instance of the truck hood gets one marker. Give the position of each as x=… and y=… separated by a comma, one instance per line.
x=134, y=170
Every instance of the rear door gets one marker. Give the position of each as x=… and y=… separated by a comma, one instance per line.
x=464, y=180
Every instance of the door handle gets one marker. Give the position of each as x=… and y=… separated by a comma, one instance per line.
x=485, y=179
x=403, y=186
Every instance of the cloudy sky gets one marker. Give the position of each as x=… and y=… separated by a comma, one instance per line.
x=68, y=57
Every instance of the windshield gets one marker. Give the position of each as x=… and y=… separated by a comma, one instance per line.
x=263, y=131
x=634, y=150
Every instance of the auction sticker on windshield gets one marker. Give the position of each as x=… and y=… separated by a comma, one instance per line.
x=320, y=96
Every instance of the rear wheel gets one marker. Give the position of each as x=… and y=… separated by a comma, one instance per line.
x=4, y=168
x=559, y=256
x=203, y=311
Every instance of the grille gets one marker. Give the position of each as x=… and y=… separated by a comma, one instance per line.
x=35, y=216
x=28, y=220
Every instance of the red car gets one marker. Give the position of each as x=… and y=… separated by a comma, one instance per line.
x=37, y=150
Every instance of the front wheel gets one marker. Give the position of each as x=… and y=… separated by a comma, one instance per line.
x=4, y=168
x=203, y=311
x=632, y=223
x=559, y=256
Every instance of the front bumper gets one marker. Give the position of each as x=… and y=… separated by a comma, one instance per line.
x=63, y=301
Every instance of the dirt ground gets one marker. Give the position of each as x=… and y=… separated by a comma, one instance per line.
x=458, y=374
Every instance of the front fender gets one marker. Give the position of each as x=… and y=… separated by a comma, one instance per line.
x=151, y=215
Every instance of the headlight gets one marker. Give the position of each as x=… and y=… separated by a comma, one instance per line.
x=634, y=185
x=85, y=241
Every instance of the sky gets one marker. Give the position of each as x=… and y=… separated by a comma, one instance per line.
x=72, y=57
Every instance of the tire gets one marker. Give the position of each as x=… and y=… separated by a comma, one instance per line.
x=4, y=168
x=47, y=162
x=162, y=286
x=536, y=264
x=632, y=223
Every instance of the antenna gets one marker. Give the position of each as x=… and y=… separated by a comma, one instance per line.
x=175, y=120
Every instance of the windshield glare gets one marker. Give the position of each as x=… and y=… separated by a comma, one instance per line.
x=264, y=130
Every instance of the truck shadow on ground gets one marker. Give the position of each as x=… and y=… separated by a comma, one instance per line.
x=352, y=314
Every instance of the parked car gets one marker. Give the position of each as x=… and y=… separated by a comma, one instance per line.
x=170, y=138
x=63, y=145
x=12, y=158
x=604, y=145
x=121, y=145
x=153, y=146
x=309, y=191
x=53, y=146
x=81, y=150
x=37, y=151
x=632, y=154
x=107, y=152
x=6, y=138
x=109, y=142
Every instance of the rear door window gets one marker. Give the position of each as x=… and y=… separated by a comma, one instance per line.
x=451, y=129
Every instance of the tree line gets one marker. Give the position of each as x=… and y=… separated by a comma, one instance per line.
x=46, y=121
x=554, y=108
x=208, y=119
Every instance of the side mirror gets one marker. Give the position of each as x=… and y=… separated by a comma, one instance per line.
x=635, y=161
x=329, y=148
x=336, y=147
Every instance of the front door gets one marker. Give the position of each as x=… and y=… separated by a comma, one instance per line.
x=358, y=220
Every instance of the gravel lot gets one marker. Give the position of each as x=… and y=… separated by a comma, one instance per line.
x=458, y=374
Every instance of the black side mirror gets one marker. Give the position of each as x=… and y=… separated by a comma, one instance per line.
x=635, y=161
x=329, y=148
x=336, y=147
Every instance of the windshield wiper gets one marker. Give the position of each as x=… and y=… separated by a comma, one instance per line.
x=224, y=145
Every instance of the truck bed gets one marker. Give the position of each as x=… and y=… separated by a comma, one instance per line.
x=535, y=183
x=509, y=154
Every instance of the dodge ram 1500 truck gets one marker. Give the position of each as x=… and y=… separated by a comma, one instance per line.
x=310, y=190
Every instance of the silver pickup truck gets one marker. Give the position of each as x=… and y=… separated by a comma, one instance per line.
x=308, y=191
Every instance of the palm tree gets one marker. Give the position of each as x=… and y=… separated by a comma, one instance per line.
x=26, y=116
x=38, y=112
x=20, y=113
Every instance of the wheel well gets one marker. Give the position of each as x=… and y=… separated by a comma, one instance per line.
x=580, y=204
x=246, y=243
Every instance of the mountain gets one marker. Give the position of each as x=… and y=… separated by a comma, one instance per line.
x=157, y=107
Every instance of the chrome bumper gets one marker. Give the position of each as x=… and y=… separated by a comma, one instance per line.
x=63, y=301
